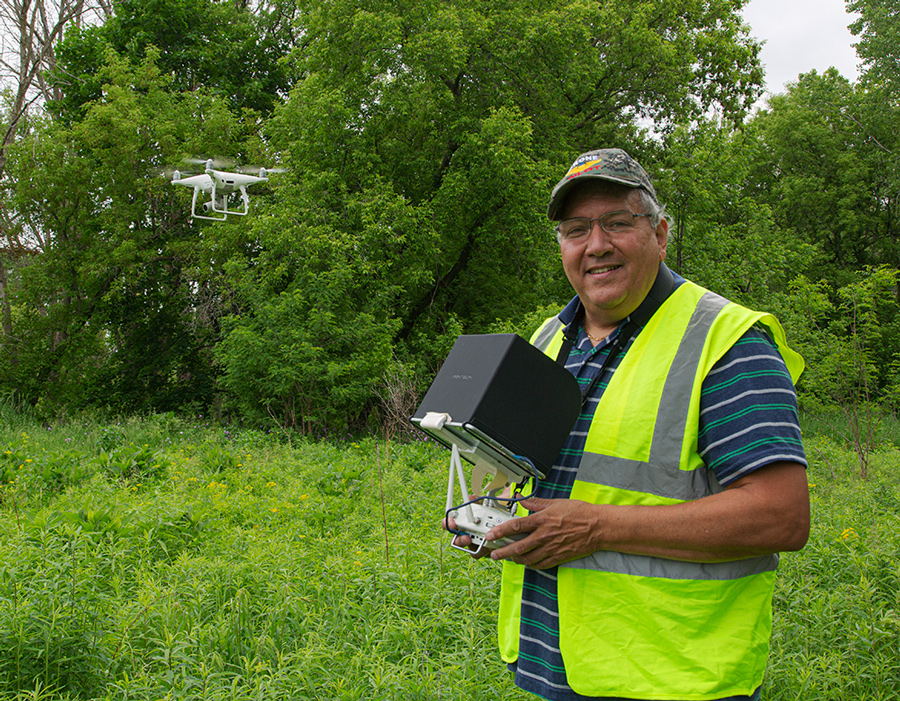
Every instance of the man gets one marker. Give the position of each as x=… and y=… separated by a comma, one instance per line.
x=647, y=566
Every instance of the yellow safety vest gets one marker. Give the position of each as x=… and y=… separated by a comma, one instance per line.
x=645, y=627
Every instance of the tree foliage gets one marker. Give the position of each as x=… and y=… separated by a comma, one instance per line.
x=105, y=314
x=421, y=140
x=878, y=29
x=725, y=236
x=225, y=48
x=828, y=171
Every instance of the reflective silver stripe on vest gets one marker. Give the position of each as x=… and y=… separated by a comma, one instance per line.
x=666, y=479
x=644, y=566
x=546, y=333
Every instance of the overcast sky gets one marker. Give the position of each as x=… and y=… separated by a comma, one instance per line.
x=802, y=35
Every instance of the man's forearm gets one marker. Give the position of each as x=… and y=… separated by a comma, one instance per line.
x=765, y=512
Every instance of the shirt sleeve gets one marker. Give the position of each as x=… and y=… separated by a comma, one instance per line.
x=748, y=410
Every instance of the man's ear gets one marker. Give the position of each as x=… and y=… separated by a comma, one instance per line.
x=662, y=237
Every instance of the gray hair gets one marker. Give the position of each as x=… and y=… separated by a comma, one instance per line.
x=656, y=210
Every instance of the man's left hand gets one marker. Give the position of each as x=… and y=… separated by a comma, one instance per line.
x=558, y=530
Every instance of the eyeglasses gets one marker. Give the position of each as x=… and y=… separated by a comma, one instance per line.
x=611, y=223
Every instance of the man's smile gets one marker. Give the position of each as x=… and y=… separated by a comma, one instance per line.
x=605, y=268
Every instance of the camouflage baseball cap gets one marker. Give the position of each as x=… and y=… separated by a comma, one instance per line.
x=611, y=164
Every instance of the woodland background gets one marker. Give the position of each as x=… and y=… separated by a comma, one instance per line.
x=421, y=139
x=201, y=497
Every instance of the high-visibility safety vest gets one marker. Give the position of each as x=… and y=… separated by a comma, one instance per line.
x=646, y=627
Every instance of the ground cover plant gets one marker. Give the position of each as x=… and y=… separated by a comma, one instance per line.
x=161, y=558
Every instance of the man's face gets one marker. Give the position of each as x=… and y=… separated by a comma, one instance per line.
x=612, y=273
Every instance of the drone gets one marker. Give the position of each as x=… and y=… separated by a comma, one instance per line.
x=220, y=186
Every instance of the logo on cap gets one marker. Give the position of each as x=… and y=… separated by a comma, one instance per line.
x=583, y=167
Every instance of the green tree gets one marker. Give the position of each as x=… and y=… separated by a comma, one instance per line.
x=826, y=173
x=423, y=140
x=722, y=236
x=878, y=29
x=109, y=313
x=844, y=336
x=825, y=170
x=231, y=49
x=32, y=32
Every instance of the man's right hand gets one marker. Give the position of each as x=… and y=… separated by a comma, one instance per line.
x=463, y=541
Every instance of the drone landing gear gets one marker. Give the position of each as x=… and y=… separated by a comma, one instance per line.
x=223, y=201
x=219, y=205
x=207, y=207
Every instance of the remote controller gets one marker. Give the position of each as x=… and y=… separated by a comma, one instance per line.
x=476, y=520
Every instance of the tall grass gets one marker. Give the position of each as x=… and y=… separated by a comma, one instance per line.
x=159, y=558
x=837, y=626
x=166, y=559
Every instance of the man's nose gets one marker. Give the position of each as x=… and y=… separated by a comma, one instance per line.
x=598, y=240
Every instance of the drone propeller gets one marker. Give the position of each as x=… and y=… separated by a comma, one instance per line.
x=217, y=162
x=261, y=171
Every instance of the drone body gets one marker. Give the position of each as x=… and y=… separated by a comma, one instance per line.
x=219, y=185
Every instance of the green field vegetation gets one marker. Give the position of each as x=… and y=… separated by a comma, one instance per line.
x=159, y=558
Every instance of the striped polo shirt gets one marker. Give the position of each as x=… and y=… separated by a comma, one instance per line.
x=748, y=419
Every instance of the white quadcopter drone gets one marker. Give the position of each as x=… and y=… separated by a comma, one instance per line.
x=220, y=186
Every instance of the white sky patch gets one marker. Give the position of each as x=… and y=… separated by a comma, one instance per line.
x=802, y=35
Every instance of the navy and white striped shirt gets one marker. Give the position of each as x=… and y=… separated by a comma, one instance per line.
x=748, y=419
